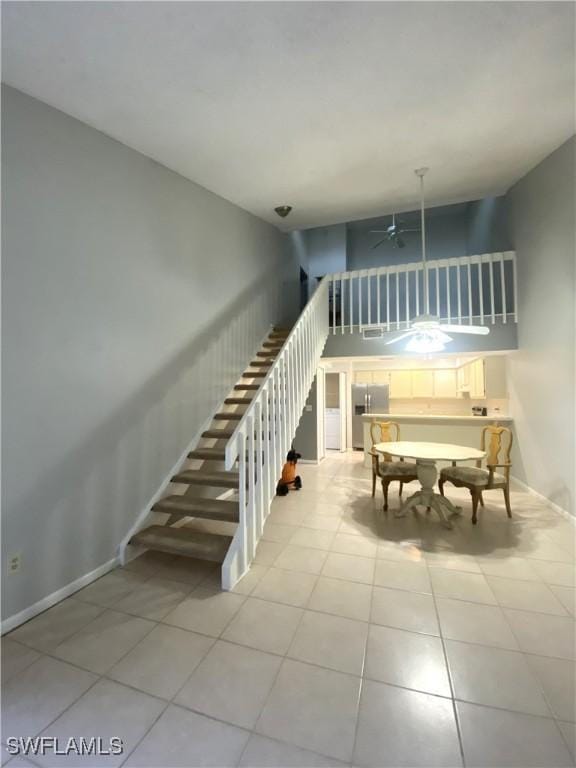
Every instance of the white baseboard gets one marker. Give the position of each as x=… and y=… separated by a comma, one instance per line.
x=61, y=594
x=544, y=499
x=308, y=461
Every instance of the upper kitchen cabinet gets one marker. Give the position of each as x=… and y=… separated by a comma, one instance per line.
x=400, y=384
x=445, y=383
x=422, y=383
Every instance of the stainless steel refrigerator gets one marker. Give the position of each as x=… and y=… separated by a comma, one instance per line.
x=367, y=398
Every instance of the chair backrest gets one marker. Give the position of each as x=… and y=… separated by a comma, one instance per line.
x=497, y=442
x=384, y=432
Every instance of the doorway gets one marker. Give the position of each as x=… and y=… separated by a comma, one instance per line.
x=335, y=412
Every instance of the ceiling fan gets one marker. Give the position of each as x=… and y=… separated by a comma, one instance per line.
x=426, y=332
x=393, y=234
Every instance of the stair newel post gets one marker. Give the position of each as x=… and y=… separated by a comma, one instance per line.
x=260, y=481
x=251, y=501
x=243, y=560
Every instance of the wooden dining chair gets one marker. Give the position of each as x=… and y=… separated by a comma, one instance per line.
x=383, y=465
x=477, y=479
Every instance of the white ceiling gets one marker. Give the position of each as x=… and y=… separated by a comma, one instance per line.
x=325, y=106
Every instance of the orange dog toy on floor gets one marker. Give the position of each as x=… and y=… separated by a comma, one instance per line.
x=289, y=481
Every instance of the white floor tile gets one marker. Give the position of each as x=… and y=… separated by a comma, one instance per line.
x=290, y=587
x=103, y=642
x=330, y=641
x=15, y=658
x=567, y=596
x=36, y=696
x=349, y=567
x=526, y=595
x=112, y=588
x=397, y=727
x=313, y=708
x=408, y=659
x=181, y=739
x=404, y=610
x=408, y=576
x=543, y=635
x=558, y=680
x=49, y=629
x=154, y=599
x=475, y=623
x=559, y=574
x=509, y=568
x=354, y=545
x=206, y=611
x=307, y=537
x=472, y=587
x=107, y=710
x=303, y=559
x=231, y=684
x=264, y=625
x=341, y=598
x=494, y=677
x=496, y=738
x=161, y=663
x=262, y=752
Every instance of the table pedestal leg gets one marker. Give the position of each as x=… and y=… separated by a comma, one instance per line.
x=425, y=497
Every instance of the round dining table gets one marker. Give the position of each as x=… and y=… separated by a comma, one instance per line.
x=426, y=456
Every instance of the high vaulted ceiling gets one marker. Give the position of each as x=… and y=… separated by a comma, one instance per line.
x=328, y=107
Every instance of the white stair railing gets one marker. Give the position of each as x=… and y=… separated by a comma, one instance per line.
x=265, y=432
x=464, y=289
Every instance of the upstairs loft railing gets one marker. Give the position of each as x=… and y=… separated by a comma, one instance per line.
x=265, y=432
x=460, y=290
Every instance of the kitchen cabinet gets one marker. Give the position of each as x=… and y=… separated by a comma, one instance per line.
x=445, y=383
x=400, y=384
x=363, y=377
x=477, y=383
x=422, y=383
x=380, y=377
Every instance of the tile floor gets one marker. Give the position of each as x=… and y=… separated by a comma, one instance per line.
x=357, y=638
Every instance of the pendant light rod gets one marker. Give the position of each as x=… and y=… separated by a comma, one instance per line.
x=421, y=172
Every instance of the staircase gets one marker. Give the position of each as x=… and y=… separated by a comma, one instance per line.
x=226, y=492
x=206, y=482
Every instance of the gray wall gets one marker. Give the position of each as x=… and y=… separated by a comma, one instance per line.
x=541, y=373
x=306, y=438
x=132, y=299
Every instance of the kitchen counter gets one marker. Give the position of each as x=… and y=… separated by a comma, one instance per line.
x=435, y=428
x=400, y=417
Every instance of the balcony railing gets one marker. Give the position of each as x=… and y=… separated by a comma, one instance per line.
x=460, y=290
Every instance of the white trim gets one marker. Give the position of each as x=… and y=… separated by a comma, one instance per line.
x=56, y=597
x=544, y=499
x=308, y=461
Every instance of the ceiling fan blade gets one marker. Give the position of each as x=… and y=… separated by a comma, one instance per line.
x=379, y=243
x=401, y=336
x=478, y=330
x=378, y=231
x=409, y=230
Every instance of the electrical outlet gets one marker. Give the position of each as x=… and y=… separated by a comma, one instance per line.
x=14, y=563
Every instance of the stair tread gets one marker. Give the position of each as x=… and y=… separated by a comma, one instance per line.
x=247, y=387
x=188, y=506
x=238, y=400
x=261, y=363
x=184, y=541
x=252, y=375
x=218, y=434
x=222, y=416
x=207, y=453
x=203, y=477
